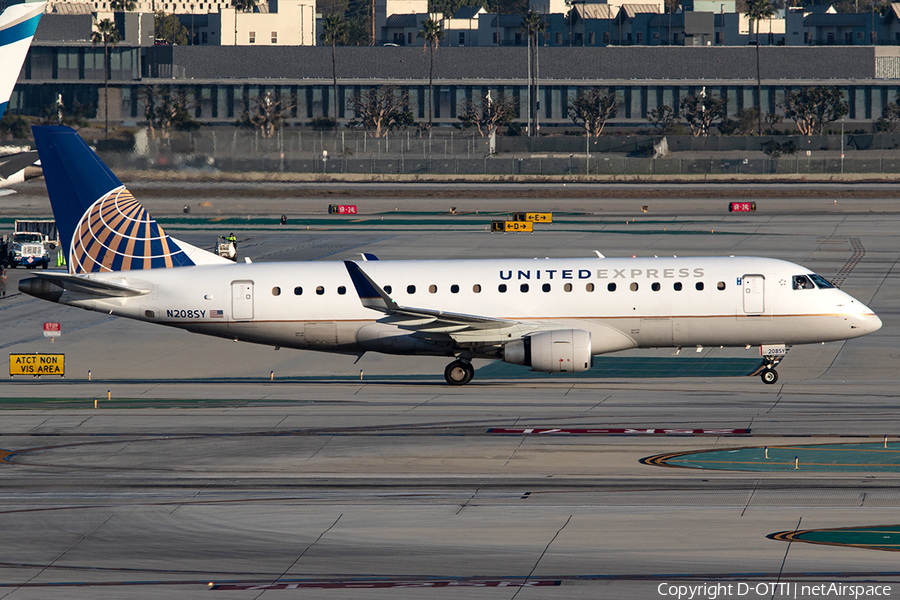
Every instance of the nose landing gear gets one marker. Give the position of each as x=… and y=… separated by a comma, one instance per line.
x=459, y=372
x=768, y=373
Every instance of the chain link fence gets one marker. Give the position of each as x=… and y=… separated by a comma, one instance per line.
x=467, y=153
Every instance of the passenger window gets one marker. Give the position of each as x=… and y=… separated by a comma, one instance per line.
x=523, y=288
x=320, y=290
x=454, y=289
x=276, y=291
x=802, y=282
x=501, y=288
x=677, y=286
x=342, y=290
x=568, y=287
x=298, y=291
x=720, y=286
x=432, y=289
x=388, y=289
x=546, y=287
x=476, y=288
x=589, y=287
x=634, y=287
x=611, y=287
x=699, y=286
x=410, y=289
x=655, y=286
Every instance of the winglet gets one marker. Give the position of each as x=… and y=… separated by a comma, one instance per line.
x=370, y=294
x=17, y=26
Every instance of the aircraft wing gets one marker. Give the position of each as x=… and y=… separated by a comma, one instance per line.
x=423, y=319
x=13, y=163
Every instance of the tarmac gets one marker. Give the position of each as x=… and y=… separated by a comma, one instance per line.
x=209, y=467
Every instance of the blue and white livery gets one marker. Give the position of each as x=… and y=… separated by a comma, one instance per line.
x=551, y=315
x=17, y=26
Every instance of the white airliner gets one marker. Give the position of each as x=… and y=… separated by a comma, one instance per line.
x=17, y=26
x=552, y=315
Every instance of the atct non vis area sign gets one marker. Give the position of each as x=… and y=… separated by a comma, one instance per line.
x=37, y=364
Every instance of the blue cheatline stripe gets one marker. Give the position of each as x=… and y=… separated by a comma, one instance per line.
x=19, y=31
x=3, y=108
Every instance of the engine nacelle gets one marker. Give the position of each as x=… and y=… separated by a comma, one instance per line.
x=558, y=351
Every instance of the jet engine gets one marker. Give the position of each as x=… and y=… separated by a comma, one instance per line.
x=558, y=351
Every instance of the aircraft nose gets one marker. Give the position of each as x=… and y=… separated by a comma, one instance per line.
x=873, y=323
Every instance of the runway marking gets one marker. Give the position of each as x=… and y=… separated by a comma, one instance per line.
x=630, y=431
x=322, y=585
x=798, y=458
x=871, y=538
x=375, y=581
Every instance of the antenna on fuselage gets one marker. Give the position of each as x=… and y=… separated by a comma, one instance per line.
x=597, y=252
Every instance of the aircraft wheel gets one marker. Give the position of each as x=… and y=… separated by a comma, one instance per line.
x=459, y=373
x=769, y=376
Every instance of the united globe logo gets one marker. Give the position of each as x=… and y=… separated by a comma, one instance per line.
x=117, y=234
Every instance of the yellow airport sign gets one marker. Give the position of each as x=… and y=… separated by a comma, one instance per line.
x=37, y=364
x=514, y=226
x=533, y=217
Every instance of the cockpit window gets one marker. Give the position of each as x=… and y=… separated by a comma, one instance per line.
x=820, y=281
x=802, y=282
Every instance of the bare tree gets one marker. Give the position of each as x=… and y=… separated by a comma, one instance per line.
x=380, y=109
x=812, y=108
x=487, y=115
x=269, y=114
x=593, y=108
x=701, y=111
x=166, y=108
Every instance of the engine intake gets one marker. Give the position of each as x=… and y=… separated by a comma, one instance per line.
x=557, y=351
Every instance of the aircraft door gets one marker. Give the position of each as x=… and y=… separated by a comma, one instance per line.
x=754, y=287
x=241, y=300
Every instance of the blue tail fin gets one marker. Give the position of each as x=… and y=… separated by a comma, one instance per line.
x=17, y=26
x=100, y=224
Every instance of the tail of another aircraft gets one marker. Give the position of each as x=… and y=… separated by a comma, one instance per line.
x=100, y=224
x=17, y=26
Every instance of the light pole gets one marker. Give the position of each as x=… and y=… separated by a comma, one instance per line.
x=842, y=146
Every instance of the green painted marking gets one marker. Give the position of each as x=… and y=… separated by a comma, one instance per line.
x=877, y=537
x=869, y=457
x=638, y=367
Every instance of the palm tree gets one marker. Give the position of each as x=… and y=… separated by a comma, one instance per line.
x=240, y=6
x=432, y=33
x=532, y=25
x=334, y=30
x=108, y=35
x=122, y=5
x=757, y=10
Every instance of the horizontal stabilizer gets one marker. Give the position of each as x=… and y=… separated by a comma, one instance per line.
x=13, y=163
x=47, y=284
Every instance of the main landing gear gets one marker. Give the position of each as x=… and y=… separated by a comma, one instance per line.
x=459, y=372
